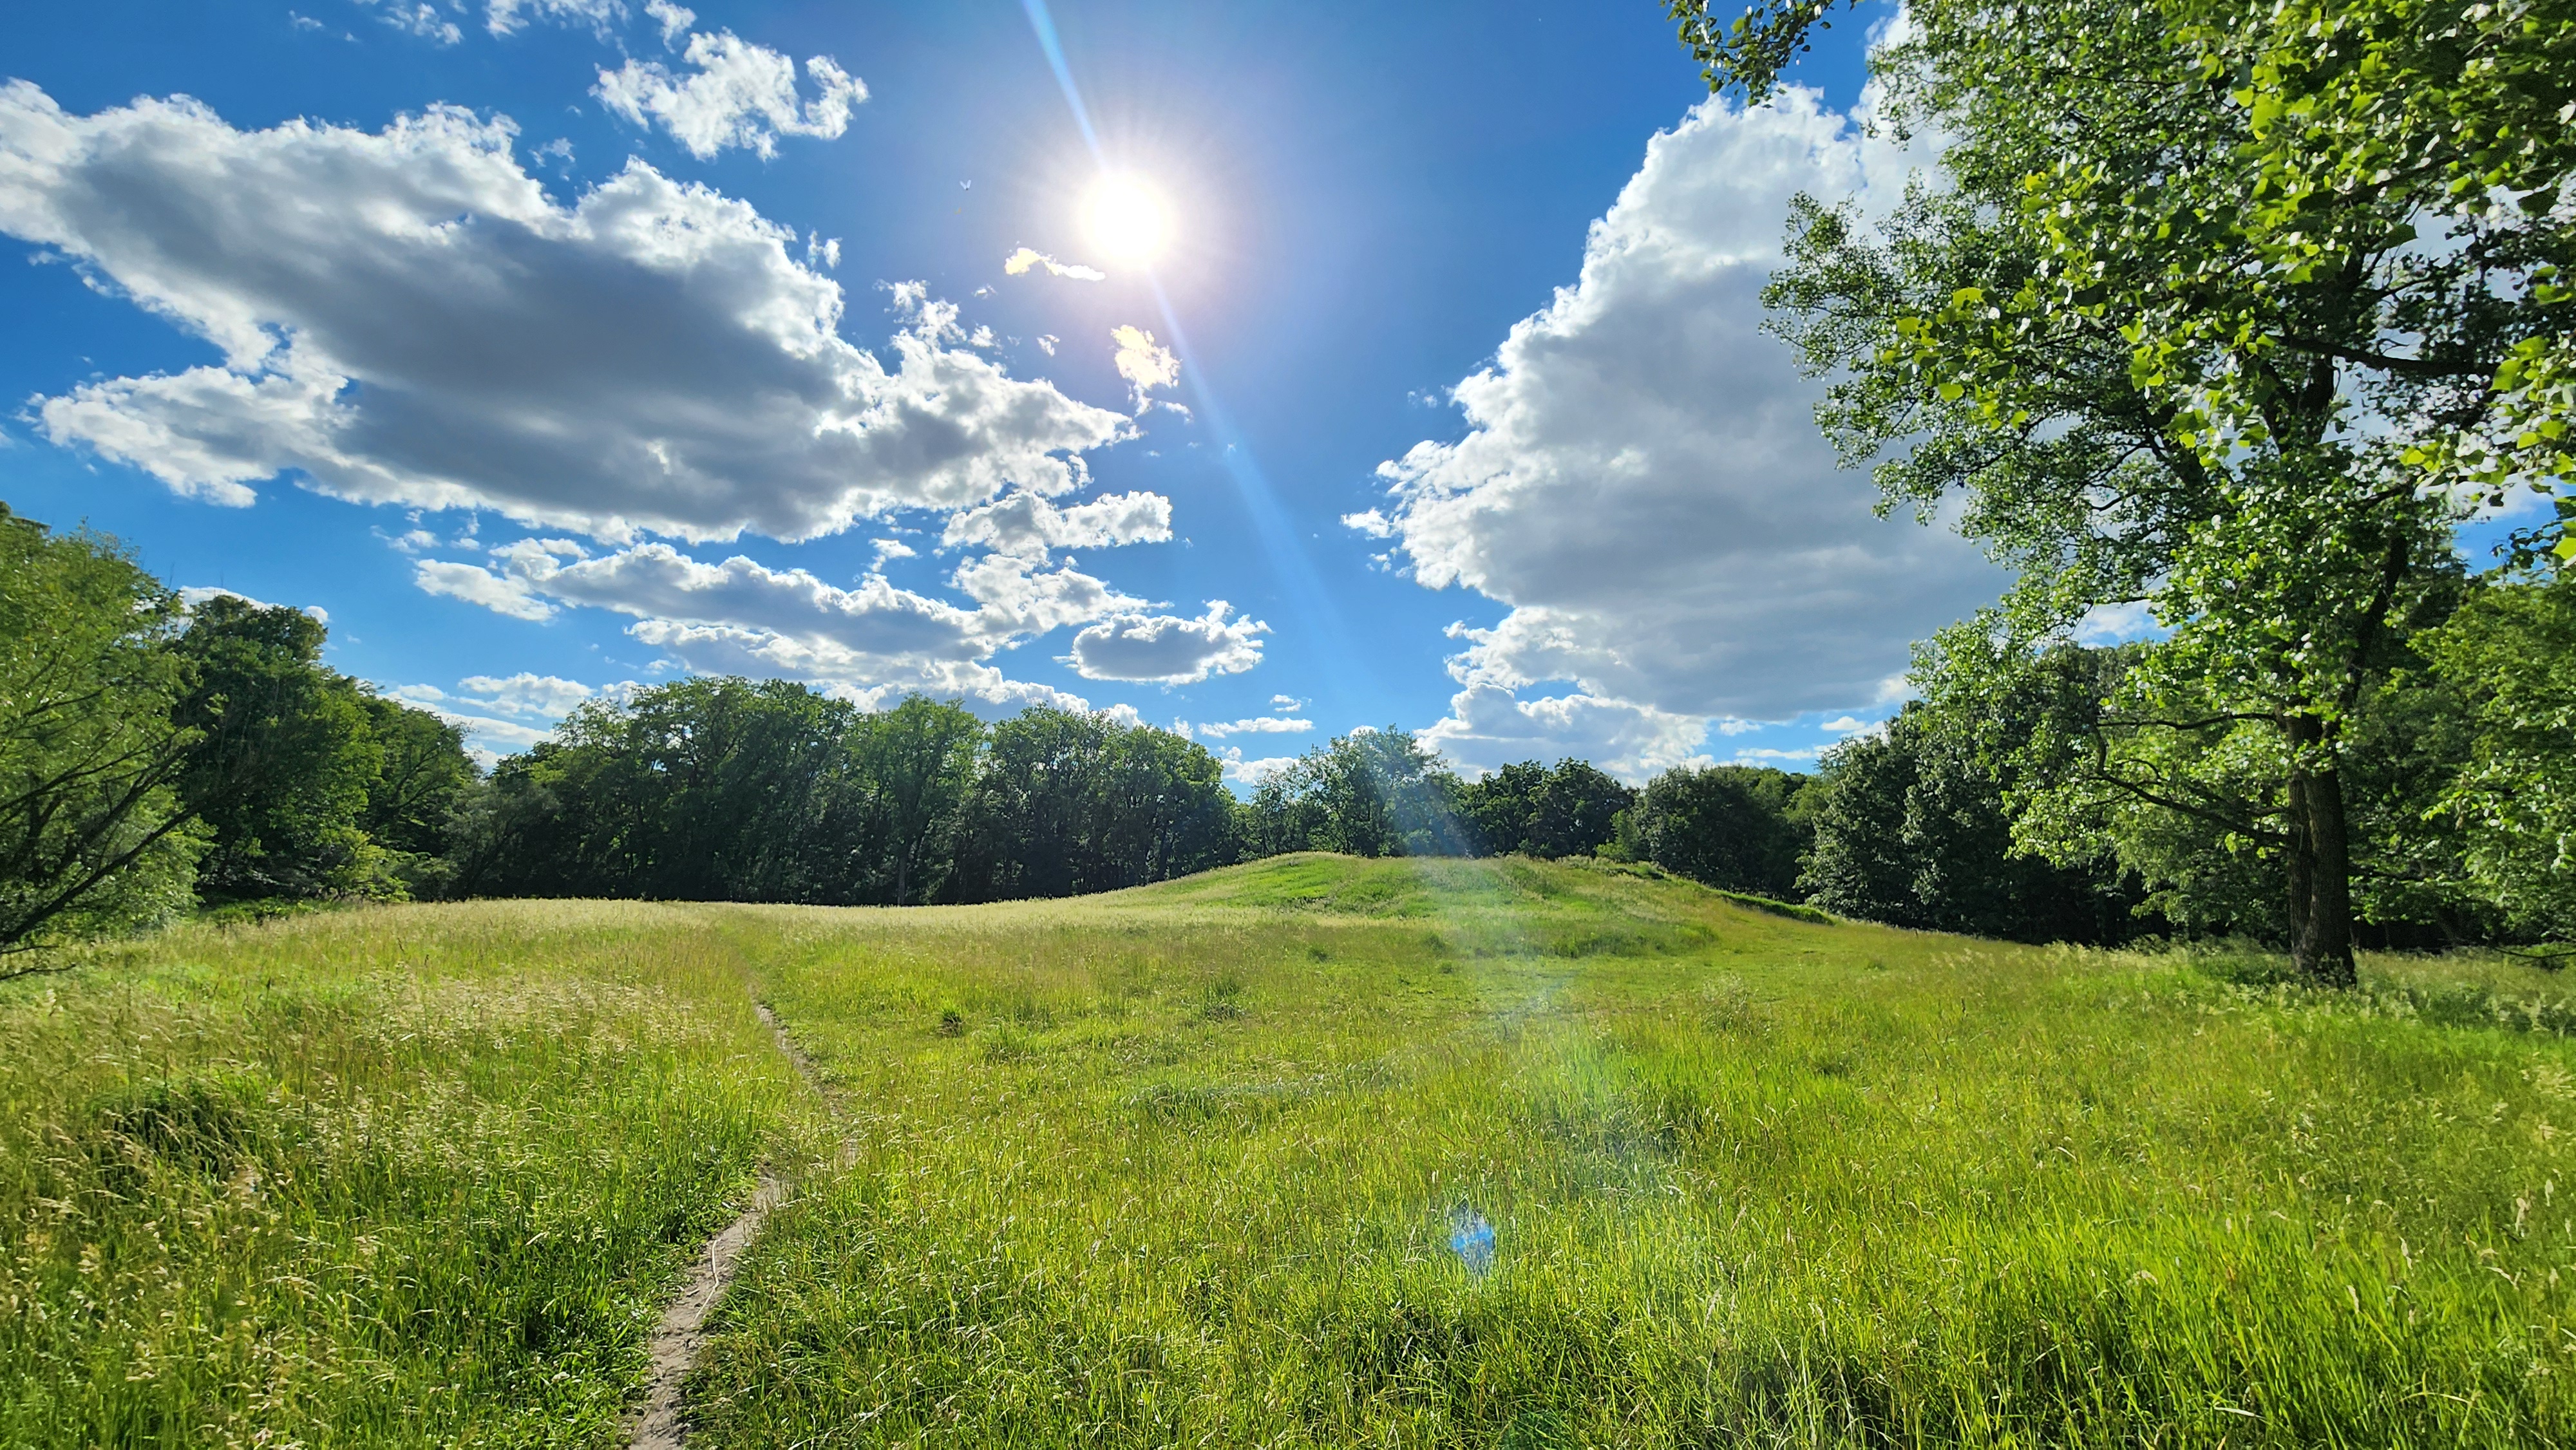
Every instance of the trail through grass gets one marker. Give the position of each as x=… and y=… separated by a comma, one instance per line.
x=414, y=1176
x=1181, y=1166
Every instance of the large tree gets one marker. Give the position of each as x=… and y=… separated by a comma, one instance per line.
x=285, y=758
x=2217, y=314
x=92, y=833
x=1737, y=827
x=1368, y=793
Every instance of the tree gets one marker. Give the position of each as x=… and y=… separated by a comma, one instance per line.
x=705, y=789
x=1736, y=827
x=1911, y=828
x=917, y=762
x=1369, y=793
x=92, y=832
x=421, y=783
x=2177, y=342
x=1569, y=810
x=1067, y=802
x=2511, y=653
x=283, y=761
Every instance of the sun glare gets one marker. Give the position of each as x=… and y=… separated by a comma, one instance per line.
x=1128, y=221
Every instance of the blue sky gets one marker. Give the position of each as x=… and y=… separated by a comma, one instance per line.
x=549, y=345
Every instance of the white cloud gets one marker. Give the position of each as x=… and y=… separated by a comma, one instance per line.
x=742, y=616
x=417, y=17
x=1371, y=522
x=501, y=17
x=2115, y=624
x=546, y=696
x=675, y=20
x=1799, y=756
x=192, y=595
x=1286, y=702
x=500, y=593
x=1258, y=725
x=888, y=549
x=1026, y=258
x=741, y=95
x=1845, y=725
x=1488, y=727
x=1022, y=523
x=406, y=317
x=1643, y=482
x=1252, y=772
x=1168, y=649
x=1143, y=362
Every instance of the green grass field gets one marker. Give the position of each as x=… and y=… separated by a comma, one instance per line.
x=1181, y=1166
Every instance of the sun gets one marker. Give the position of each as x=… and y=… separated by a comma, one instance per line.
x=1128, y=220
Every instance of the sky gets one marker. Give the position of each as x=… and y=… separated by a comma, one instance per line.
x=1257, y=377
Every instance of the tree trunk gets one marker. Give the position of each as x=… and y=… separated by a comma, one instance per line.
x=2320, y=861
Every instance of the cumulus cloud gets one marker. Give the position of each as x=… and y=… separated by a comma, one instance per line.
x=500, y=593
x=2106, y=624
x=1143, y=362
x=523, y=698
x=742, y=616
x=675, y=20
x=741, y=94
x=1258, y=725
x=1254, y=771
x=1643, y=483
x=406, y=317
x=1026, y=258
x=1488, y=726
x=1168, y=649
x=1021, y=524
x=546, y=696
x=192, y=595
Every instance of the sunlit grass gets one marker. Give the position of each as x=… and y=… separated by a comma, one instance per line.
x=1181, y=1170
x=401, y=1176
x=1179, y=1166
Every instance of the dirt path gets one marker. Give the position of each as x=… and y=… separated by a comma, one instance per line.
x=677, y=1339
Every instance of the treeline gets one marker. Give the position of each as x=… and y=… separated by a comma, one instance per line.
x=158, y=757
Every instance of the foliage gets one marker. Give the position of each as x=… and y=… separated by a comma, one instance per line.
x=1737, y=827
x=723, y=789
x=2172, y=351
x=1368, y=793
x=396, y=1176
x=92, y=837
x=1065, y=804
x=1570, y=809
x=2511, y=652
x=424, y=782
x=284, y=762
x=1912, y=828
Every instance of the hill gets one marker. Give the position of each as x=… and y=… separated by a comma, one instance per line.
x=1213, y=1161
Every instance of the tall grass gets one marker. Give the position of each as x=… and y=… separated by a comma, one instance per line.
x=1181, y=1166
x=403, y=1176
x=1183, y=1170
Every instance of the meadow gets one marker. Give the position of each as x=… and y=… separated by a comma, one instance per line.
x=1212, y=1163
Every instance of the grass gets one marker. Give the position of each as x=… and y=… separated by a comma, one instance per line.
x=401, y=1176
x=1183, y=1165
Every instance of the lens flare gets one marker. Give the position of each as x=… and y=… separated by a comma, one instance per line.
x=1128, y=221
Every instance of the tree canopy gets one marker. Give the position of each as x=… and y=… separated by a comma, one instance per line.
x=2181, y=338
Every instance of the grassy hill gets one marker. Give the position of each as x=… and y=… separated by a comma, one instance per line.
x=1184, y=1165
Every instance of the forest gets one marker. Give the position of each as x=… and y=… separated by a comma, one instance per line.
x=165, y=758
